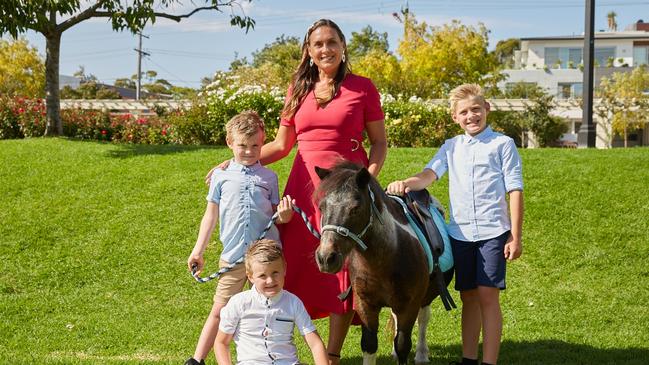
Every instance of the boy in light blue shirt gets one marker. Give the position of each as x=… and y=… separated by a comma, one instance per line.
x=484, y=167
x=243, y=197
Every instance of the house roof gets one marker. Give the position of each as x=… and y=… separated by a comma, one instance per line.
x=640, y=35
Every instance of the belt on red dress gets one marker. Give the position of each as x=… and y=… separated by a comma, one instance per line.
x=343, y=145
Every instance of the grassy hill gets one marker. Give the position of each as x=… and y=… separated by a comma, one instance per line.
x=94, y=238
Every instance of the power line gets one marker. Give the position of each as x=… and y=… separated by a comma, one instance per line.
x=169, y=72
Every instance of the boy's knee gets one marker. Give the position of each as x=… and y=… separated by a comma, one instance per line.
x=469, y=296
x=489, y=296
x=215, y=313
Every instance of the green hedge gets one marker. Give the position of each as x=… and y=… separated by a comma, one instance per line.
x=409, y=123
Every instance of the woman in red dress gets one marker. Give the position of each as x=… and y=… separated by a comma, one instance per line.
x=327, y=110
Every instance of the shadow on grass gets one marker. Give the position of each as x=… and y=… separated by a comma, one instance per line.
x=552, y=352
x=134, y=150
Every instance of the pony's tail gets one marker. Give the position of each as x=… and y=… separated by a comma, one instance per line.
x=391, y=325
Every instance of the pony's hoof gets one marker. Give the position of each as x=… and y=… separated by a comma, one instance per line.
x=421, y=358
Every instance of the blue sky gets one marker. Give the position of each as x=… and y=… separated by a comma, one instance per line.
x=185, y=52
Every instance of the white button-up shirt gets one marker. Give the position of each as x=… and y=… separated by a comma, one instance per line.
x=482, y=169
x=245, y=196
x=263, y=327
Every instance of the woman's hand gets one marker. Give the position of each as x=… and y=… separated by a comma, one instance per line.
x=223, y=165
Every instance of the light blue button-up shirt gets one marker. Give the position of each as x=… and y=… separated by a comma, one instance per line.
x=482, y=169
x=245, y=196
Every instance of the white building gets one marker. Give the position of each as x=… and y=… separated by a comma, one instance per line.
x=556, y=63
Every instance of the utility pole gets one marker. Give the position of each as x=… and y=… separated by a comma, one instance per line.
x=586, y=135
x=139, y=65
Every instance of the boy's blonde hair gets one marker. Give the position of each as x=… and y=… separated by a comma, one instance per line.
x=245, y=124
x=463, y=92
x=263, y=251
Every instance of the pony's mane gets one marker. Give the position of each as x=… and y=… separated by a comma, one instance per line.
x=339, y=178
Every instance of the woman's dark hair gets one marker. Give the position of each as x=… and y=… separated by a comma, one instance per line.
x=305, y=77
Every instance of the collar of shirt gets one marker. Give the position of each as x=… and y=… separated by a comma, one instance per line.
x=235, y=166
x=479, y=137
x=265, y=300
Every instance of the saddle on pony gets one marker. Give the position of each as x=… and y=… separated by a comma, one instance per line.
x=427, y=221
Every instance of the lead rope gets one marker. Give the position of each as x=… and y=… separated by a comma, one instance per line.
x=272, y=220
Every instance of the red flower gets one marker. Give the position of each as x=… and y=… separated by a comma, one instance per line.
x=141, y=121
x=21, y=110
x=164, y=132
x=103, y=132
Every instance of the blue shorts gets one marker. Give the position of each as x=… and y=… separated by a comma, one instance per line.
x=480, y=263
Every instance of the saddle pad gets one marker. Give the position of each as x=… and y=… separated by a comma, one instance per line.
x=446, y=259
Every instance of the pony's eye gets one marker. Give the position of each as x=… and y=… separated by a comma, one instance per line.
x=354, y=210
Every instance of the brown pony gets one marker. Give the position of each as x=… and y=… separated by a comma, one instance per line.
x=387, y=264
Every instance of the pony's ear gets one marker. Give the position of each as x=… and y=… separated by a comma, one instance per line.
x=322, y=173
x=363, y=177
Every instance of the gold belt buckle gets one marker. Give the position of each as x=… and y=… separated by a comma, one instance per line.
x=356, y=144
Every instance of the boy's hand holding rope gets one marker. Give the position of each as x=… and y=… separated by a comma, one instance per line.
x=194, y=270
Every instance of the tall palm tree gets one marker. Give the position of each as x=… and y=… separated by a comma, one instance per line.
x=612, y=24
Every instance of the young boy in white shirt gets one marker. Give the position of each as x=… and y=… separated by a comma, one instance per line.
x=261, y=320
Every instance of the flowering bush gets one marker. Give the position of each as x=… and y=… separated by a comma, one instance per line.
x=191, y=126
x=9, y=127
x=21, y=117
x=128, y=128
x=86, y=124
x=416, y=123
x=409, y=122
x=225, y=98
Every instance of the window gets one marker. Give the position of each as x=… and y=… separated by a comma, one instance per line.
x=602, y=56
x=565, y=57
x=574, y=57
x=551, y=55
x=640, y=55
x=570, y=90
x=520, y=90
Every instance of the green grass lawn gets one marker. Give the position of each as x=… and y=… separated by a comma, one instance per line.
x=94, y=238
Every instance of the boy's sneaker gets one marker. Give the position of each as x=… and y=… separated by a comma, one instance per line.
x=192, y=361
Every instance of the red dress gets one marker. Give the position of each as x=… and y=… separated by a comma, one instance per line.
x=324, y=135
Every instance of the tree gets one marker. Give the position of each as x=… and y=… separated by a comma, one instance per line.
x=382, y=68
x=504, y=52
x=612, y=24
x=22, y=71
x=284, y=51
x=624, y=102
x=546, y=128
x=436, y=59
x=523, y=90
x=366, y=41
x=89, y=90
x=516, y=124
x=53, y=18
x=81, y=75
x=273, y=65
x=125, y=83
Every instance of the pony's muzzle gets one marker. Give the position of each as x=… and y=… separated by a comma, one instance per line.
x=330, y=262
